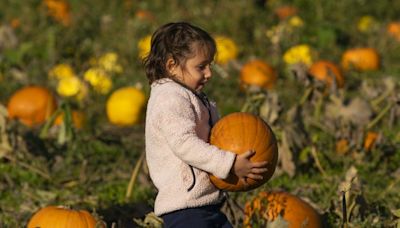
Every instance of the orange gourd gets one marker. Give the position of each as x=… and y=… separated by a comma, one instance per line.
x=361, y=59
x=325, y=71
x=240, y=132
x=61, y=217
x=295, y=211
x=258, y=73
x=31, y=105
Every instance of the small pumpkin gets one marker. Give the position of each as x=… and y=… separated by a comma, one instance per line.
x=240, y=132
x=285, y=11
x=227, y=49
x=31, y=105
x=144, y=46
x=323, y=70
x=295, y=211
x=144, y=15
x=124, y=106
x=59, y=10
x=78, y=119
x=393, y=28
x=361, y=59
x=258, y=73
x=60, y=217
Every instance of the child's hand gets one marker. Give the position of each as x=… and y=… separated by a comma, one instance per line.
x=244, y=168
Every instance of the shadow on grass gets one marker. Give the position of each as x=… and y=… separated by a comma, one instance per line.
x=121, y=216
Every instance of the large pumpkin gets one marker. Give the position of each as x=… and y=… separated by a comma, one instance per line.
x=361, y=59
x=257, y=73
x=296, y=212
x=240, y=132
x=31, y=105
x=62, y=217
x=325, y=71
x=124, y=106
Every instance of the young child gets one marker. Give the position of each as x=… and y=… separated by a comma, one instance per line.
x=178, y=122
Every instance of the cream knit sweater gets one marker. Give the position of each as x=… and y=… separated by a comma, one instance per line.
x=177, y=132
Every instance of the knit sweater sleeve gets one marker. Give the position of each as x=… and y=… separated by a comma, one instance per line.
x=176, y=121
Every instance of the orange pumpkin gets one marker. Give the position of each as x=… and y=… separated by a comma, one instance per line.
x=59, y=10
x=361, y=59
x=325, y=71
x=240, y=132
x=60, y=217
x=393, y=29
x=144, y=15
x=32, y=105
x=78, y=119
x=296, y=212
x=257, y=73
x=284, y=12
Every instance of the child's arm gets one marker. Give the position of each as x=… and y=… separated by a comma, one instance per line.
x=175, y=118
x=244, y=168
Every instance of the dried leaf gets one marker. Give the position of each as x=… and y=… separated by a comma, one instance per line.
x=151, y=221
x=8, y=39
x=396, y=213
x=351, y=181
x=357, y=111
x=270, y=108
x=286, y=157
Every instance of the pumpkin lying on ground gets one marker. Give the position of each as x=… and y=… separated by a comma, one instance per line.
x=62, y=217
x=31, y=105
x=240, y=132
x=326, y=71
x=267, y=206
x=257, y=73
x=124, y=106
x=361, y=59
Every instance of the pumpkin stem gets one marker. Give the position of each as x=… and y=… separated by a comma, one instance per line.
x=66, y=133
x=44, y=131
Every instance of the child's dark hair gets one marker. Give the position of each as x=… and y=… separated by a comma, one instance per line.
x=175, y=40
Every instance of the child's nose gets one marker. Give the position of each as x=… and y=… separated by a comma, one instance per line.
x=207, y=72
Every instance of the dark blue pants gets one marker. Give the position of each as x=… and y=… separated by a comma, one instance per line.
x=198, y=217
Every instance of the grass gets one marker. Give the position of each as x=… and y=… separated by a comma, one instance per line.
x=93, y=170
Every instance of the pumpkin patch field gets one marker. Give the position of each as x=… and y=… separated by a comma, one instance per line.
x=312, y=85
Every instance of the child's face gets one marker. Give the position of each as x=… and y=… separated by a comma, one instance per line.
x=196, y=72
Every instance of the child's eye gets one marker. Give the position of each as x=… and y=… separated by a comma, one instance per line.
x=201, y=67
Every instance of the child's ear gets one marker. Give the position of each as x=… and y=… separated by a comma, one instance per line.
x=170, y=65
